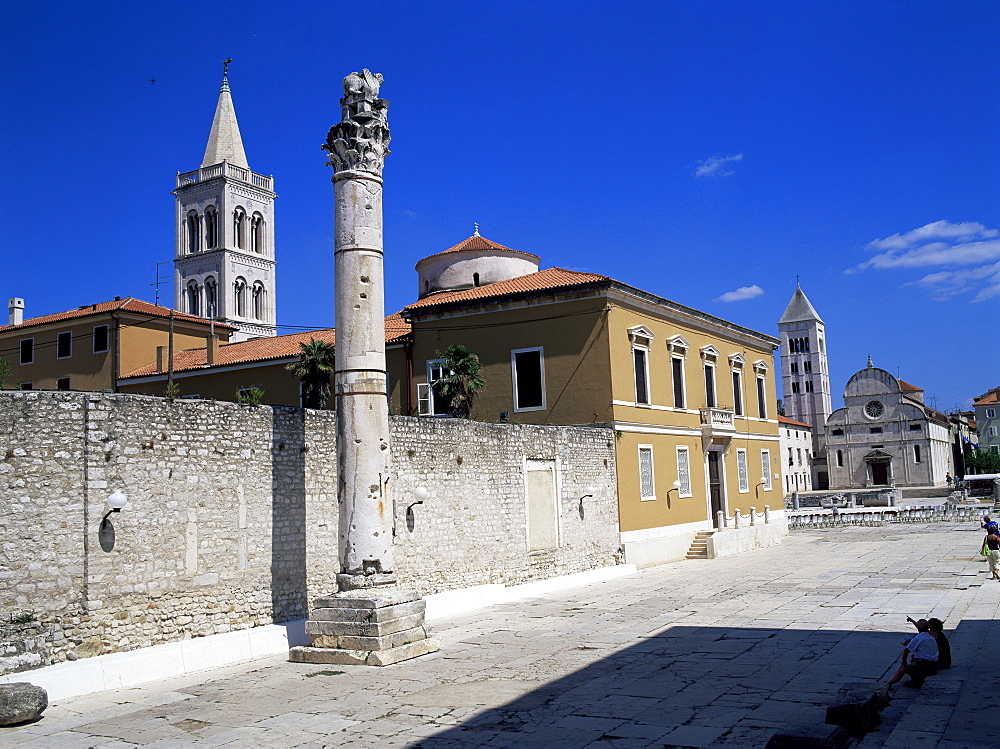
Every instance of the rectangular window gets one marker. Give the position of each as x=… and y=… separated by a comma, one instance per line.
x=791, y=457
x=646, y=489
x=639, y=358
x=437, y=403
x=809, y=386
x=677, y=368
x=710, y=386
x=761, y=398
x=528, y=372
x=741, y=470
x=800, y=454
x=915, y=427
x=795, y=387
x=765, y=469
x=27, y=386
x=916, y=453
x=837, y=432
x=100, y=339
x=738, y=393
x=807, y=366
x=64, y=345
x=793, y=368
x=683, y=472
x=27, y=350
x=875, y=430
x=991, y=413
x=993, y=431
x=62, y=383
x=995, y=448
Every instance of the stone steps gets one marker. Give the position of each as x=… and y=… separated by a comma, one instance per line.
x=699, y=547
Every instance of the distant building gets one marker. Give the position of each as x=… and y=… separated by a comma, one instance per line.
x=224, y=262
x=796, y=454
x=886, y=436
x=805, y=376
x=987, y=408
x=90, y=347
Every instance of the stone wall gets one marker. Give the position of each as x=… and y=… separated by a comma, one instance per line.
x=232, y=516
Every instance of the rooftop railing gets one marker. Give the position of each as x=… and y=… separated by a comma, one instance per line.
x=225, y=169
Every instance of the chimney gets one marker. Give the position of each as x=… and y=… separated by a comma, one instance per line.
x=212, y=349
x=15, y=311
x=161, y=358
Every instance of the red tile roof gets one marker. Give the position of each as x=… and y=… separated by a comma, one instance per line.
x=906, y=387
x=264, y=349
x=128, y=304
x=793, y=422
x=476, y=243
x=550, y=278
x=988, y=398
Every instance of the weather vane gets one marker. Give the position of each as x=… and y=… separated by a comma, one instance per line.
x=476, y=232
x=225, y=65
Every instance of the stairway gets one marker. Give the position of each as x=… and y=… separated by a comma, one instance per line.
x=699, y=547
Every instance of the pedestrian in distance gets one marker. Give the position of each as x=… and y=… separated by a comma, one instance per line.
x=990, y=526
x=949, y=479
x=919, y=659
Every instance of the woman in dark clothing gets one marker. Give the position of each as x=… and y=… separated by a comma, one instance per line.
x=936, y=627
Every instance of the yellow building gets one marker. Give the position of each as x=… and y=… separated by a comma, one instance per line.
x=690, y=397
x=90, y=347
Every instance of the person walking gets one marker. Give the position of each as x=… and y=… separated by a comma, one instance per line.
x=993, y=547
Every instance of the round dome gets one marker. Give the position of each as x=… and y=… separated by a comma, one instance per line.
x=475, y=262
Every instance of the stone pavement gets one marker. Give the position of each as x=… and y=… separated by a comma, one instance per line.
x=697, y=653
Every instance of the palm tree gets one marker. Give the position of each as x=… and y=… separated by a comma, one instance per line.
x=463, y=383
x=314, y=370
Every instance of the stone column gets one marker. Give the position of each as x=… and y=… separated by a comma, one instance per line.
x=369, y=621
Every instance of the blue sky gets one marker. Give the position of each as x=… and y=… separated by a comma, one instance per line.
x=707, y=152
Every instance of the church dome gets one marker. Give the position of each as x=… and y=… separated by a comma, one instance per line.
x=477, y=261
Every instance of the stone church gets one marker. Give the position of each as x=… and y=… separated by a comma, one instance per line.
x=883, y=436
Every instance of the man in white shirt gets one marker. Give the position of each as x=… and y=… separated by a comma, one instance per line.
x=920, y=655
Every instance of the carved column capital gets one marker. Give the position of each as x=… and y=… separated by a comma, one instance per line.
x=360, y=142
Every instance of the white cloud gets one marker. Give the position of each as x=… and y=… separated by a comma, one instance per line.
x=716, y=166
x=743, y=292
x=950, y=246
x=409, y=213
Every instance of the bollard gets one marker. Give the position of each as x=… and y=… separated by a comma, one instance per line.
x=767, y=514
x=737, y=517
x=753, y=515
x=720, y=519
x=795, y=500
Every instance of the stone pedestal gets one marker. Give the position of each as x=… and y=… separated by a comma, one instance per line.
x=374, y=627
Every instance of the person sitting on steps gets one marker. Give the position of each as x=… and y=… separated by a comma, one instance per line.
x=919, y=660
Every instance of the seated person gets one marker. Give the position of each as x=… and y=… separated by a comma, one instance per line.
x=944, y=648
x=919, y=659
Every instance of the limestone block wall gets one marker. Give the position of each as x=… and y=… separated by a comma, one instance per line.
x=232, y=515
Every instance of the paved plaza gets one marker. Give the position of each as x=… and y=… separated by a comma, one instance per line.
x=721, y=652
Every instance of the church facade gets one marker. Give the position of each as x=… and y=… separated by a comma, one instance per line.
x=885, y=435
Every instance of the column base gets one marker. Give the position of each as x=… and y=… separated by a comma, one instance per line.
x=370, y=627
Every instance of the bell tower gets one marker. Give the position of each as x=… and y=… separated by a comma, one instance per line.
x=805, y=375
x=224, y=264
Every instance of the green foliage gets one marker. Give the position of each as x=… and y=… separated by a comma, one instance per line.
x=982, y=461
x=250, y=396
x=314, y=369
x=22, y=618
x=464, y=383
x=172, y=390
x=4, y=372
x=781, y=407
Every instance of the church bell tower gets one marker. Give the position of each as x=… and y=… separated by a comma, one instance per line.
x=805, y=376
x=224, y=264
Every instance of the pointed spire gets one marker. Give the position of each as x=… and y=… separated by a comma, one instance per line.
x=224, y=142
x=871, y=364
x=799, y=309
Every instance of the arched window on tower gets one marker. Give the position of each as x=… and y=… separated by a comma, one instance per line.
x=211, y=298
x=193, y=298
x=239, y=228
x=240, y=297
x=258, y=301
x=211, y=228
x=192, y=232
x=257, y=233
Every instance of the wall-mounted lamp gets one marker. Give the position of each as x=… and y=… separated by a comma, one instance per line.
x=590, y=491
x=115, y=504
x=677, y=486
x=756, y=489
x=420, y=493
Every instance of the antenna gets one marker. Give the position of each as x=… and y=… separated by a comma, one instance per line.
x=160, y=280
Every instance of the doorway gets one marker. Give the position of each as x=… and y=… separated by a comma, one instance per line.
x=880, y=473
x=715, y=487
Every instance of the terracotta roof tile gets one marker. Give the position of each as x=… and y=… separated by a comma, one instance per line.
x=476, y=243
x=793, y=422
x=264, y=349
x=988, y=399
x=128, y=304
x=550, y=278
x=906, y=387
